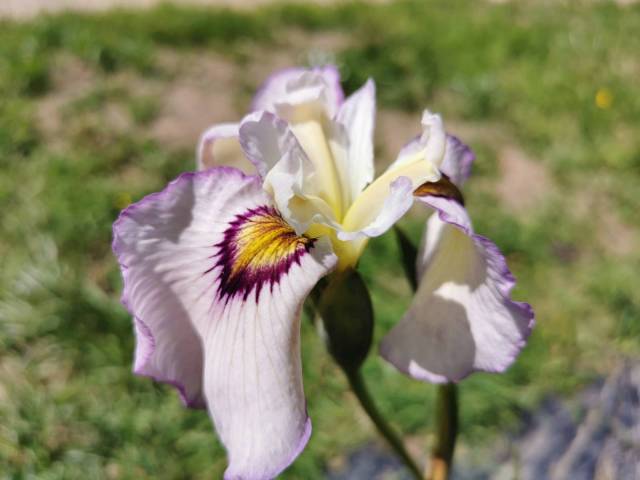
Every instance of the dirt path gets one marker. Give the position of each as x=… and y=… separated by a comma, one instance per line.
x=24, y=9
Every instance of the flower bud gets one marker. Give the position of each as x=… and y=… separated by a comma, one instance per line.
x=347, y=319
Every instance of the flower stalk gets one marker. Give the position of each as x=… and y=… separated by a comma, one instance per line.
x=356, y=382
x=345, y=308
x=447, y=417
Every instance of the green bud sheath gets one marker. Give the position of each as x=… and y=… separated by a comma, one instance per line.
x=347, y=317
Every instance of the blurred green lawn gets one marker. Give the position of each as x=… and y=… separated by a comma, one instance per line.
x=558, y=83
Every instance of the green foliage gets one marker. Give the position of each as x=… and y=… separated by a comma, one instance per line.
x=69, y=405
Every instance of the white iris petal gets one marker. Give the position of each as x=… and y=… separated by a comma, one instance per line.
x=323, y=184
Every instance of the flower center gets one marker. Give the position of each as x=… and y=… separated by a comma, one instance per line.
x=258, y=248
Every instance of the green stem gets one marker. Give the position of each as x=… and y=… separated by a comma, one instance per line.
x=359, y=388
x=447, y=415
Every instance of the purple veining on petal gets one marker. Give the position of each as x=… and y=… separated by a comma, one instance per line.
x=258, y=249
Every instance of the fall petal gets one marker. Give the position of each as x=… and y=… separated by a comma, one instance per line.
x=216, y=278
x=462, y=318
x=253, y=376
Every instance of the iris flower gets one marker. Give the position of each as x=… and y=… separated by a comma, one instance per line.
x=216, y=267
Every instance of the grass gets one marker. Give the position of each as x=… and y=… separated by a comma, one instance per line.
x=69, y=405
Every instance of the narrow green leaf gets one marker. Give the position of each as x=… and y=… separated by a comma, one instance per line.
x=409, y=255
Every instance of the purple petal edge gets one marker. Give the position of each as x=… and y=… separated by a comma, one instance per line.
x=143, y=328
x=302, y=443
x=140, y=366
x=467, y=158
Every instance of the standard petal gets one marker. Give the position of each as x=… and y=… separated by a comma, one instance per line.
x=384, y=201
x=216, y=279
x=430, y=146
x=462, y=318
x=355, y=166
x=458, y=160
x=418, y=162
x=266, y=139
x=289, y=176
x=291, y=85
x=205, y=156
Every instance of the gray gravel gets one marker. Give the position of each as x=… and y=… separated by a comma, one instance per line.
x=593, y=436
